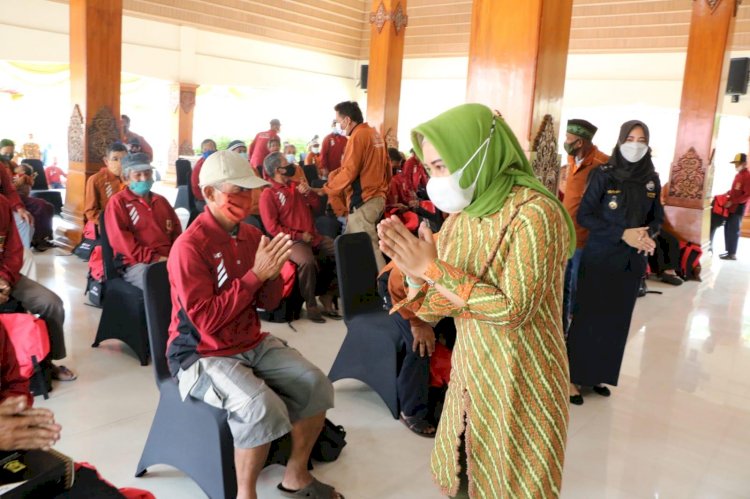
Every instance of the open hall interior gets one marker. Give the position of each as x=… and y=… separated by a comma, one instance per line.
x=677, y=424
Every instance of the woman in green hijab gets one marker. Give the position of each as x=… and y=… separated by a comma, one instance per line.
x=497, y=269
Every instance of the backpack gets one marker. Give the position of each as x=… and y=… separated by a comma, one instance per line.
x=291, y=299
x=690, y=261
x=90, y=241
x=28, y=335
x=95, y=277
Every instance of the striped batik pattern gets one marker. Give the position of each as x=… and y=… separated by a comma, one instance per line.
x=510, y=369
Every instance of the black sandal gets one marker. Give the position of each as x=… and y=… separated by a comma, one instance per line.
x=418, y=425
x=332, y=315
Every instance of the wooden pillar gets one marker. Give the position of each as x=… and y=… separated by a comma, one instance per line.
x=95, y=62
x=518, y=56
x=388, y=25
x=183, y=99
x=688, y=199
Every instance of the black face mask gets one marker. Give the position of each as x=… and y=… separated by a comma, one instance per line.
x=6, y=157
x=288, y=170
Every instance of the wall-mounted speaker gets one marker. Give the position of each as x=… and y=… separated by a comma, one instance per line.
x=739, y=71
x=363, y=72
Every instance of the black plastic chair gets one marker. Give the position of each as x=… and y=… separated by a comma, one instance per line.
x=191, y=436
x=370, y=351
x=123, y=311
x=183, y=170
x=41, y=189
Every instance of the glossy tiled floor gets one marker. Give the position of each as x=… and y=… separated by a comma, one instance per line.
x=678, y=426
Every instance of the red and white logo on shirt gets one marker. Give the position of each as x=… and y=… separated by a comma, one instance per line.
x=221, y=272
x=134, y=216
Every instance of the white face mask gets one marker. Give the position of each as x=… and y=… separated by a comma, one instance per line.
x=290, y=158
x=316, y=150
x=447, y=194
x=633, y=151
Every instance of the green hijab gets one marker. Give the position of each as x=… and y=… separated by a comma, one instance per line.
x=457, y=134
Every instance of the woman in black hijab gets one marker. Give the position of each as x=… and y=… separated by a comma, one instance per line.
x=623, y=213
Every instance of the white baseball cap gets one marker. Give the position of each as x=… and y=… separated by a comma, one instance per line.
x=230, y=167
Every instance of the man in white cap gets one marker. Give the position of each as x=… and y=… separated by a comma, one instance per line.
x=141, y=225
x=220, y=271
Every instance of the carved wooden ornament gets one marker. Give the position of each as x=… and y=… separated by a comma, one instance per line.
x=382, y=16
x=546, y=160
x=102, y=132
x=688, y=178
x=75, y=136
x=187, y=101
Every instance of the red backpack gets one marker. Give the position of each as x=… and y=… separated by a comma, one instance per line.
x=690, y=261
x=95, y=277
x=30, y=339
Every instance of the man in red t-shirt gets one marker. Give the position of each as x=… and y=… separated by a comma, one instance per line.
x=286, y=207
x=736, y=205
x=220, y=272
x=141, y=225
x=259, y=146
x=331, y=151
x=54, y=175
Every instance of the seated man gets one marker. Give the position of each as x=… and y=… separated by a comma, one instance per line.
x=220, y=271
x=141, y=225
x=55, y=175
x=34, y=297
x=420, y=339
x=286, y=207
x=42, y=211
x=104, y=184
x=23, y=219
x=208, y=147
x=666, y=258
x=21, y=426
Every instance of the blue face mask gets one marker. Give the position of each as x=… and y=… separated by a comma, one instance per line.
x=290, y=158
x=207, y=154
x=141, y=188
x=243, y=154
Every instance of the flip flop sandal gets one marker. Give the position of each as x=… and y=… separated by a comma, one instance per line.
x=62, y=373
x=333, y=315
x=316, y=490
x=418, y=425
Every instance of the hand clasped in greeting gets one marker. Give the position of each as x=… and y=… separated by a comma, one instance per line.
x=412, y=254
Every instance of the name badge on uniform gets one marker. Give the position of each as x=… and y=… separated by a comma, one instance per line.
x=613, y=203
x=651, y=186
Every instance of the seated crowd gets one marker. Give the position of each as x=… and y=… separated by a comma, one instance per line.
x=259, y=209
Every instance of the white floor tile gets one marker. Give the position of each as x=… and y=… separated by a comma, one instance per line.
x=678, y=425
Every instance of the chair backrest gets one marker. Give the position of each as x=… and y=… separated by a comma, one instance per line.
x=40, y=181
x=158, y=301
x=108, y=255
x=357, y=274
x=183, y=169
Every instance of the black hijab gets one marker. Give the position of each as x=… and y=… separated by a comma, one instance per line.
x=633, y=176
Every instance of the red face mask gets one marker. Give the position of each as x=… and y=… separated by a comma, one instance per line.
x=237, y=206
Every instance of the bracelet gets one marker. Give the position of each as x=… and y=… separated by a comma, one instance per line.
x=413, y=284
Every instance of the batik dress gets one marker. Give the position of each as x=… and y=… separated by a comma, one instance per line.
x=509, y=381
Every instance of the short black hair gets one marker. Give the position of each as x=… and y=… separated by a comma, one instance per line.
x=394, y=154
x=350, y=109
x=116, y=147
x=275, y=140
x=206, y=141
x=125, y=117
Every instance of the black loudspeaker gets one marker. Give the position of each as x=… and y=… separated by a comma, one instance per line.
x=365, y=69
x=739, y=71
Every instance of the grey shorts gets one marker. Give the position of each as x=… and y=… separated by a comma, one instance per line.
x=263, y=390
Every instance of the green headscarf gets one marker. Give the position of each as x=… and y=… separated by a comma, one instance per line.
x=457, y=134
